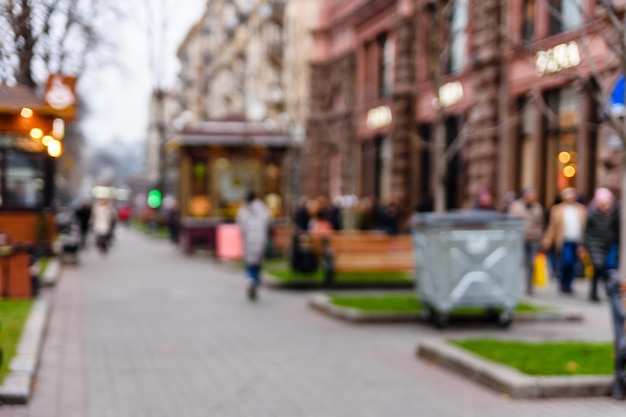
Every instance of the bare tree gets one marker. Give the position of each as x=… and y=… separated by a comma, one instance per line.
x=154, y=17
x=439, y=15
x=39, y=37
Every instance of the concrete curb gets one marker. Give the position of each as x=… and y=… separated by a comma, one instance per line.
x=17, y=385
x=322, y=302
x=508, y=380
x=52, y=273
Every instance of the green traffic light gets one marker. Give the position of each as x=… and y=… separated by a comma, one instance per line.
x=154, y=199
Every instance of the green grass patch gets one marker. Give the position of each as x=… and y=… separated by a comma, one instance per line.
x=546, y=358
x=386, y=304
x=13, y=315
x=408, y=303
x=280, y=269
x=160, y=232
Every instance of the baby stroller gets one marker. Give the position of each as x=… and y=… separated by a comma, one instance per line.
x=70, y=244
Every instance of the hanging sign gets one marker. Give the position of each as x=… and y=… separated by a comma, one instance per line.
x=450, y=93
x=379, y=117
x=563, y=56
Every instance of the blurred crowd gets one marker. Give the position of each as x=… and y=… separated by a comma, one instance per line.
x=574, y=236
x=320, y=215
x=571, y=233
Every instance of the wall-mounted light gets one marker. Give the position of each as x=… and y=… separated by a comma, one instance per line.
x=54, y=148
x=36, y=133
x=26, y=113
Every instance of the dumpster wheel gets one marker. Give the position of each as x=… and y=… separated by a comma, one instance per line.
x=505, y=320
x=438, y=318
x=442, y=320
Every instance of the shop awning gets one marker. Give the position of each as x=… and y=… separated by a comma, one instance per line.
x=232, y=133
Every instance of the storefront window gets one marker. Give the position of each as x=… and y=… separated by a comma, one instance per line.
x=200, y=203
x=23, y=180
x=233, y=178
x=562, y=157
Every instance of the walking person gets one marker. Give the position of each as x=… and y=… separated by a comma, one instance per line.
x=102, y=217
x=601, y=236
x=253, y=219
x=83, y=216
x=529, y=209
x=565, y=233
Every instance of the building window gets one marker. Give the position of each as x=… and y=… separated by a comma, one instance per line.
x=22, y=185
x=528, y=22
x=386, y=59
x=369, y=70
x=458, y=36
x=565, y=15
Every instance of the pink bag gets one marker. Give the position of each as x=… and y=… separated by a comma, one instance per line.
x=229, y=242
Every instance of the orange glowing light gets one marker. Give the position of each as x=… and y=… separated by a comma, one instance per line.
x=26, y=113
x=36, y=133
x=54, y=148
x=569, y=171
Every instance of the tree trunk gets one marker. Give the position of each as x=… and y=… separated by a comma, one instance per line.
x=440, y=162
x=23, y=33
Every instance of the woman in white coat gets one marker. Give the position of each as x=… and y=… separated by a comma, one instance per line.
x=102, y=222
x=253, y=219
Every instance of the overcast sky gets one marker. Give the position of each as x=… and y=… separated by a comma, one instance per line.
x=118, y=95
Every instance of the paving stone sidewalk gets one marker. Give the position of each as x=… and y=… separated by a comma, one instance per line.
x=145, y=331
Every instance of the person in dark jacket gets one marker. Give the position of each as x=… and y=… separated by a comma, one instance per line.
x=601, y=235
x=301, y=217
x=83, y=216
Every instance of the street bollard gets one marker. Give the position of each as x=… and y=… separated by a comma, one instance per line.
x=613, y=290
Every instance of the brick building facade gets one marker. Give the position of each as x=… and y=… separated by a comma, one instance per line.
x=517, y=90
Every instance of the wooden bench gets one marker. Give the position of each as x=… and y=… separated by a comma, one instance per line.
x=364, y=252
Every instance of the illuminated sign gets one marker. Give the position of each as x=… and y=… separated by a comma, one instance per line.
x=563, y=56
x=379, y=117
x=59, y=95
x=450, y=93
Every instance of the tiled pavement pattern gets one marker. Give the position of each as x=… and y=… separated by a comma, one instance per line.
x=166, y=335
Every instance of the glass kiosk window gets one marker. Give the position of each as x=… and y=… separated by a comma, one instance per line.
x=22, y=180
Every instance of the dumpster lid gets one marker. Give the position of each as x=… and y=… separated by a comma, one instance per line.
x=463, y=217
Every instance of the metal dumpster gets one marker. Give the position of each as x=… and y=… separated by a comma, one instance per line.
x=468, y=259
